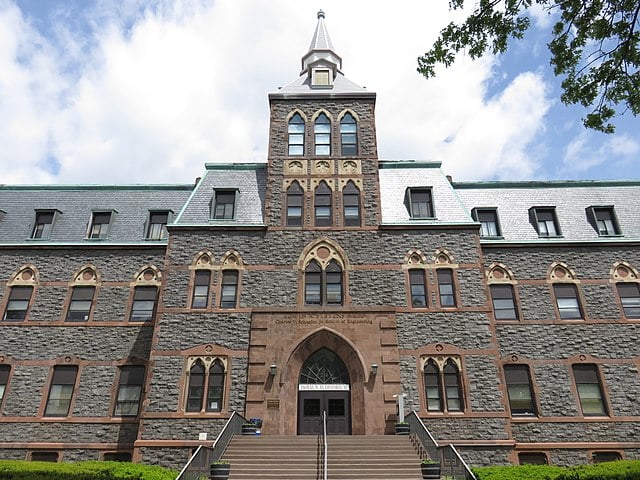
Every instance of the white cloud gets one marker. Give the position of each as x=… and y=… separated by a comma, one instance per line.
x=583, y=153
x=150, y=94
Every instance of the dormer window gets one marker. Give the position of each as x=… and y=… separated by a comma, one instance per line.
x=321, y=77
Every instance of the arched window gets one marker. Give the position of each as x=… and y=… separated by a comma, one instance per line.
x=295, y=197
x=351, y=205
x=322, y=131
x=296, y=135
x=432, y=387
x=323, y=287
x=443, y=385
x=206, y=377
x=348, y=135
x=195, y=391
x=322, y=202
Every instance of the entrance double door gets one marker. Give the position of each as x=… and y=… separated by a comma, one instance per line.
x=312, y=404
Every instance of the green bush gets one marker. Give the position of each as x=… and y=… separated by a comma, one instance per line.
x=22, y=470
x=620, y=470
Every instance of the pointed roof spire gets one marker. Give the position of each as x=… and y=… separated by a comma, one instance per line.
x=321, y=48
x=321, y=40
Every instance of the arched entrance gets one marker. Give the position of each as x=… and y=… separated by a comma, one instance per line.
x=324, y=388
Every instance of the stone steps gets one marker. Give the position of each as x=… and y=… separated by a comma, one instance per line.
x=352, y=457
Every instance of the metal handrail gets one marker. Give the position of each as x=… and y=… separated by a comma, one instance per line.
x=324, y=444
x=453, y=466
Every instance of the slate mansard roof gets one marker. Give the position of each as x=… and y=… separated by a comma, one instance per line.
x=191, y=206
x=74, y=206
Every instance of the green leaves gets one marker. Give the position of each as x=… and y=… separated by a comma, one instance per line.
x=595, y=48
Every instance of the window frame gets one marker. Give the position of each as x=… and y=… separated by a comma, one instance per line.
x=439, y=273
x=124, y=385
x=537, y=212
x=200, y=283
x=203, y=399
x=440, y=384
x=139, y=290
x=294, y=200
x=635, y=305
x=73, y=307
x=413, y=275
x=350, y=201
x=592, y=370
x=45, y=232
x=229, y=274
x=413, y=202
x=331, y=275
x=345, y=127
x=24, y=312
x=224, y=214
x=162, y=234
x=44, y=453
x=566, y=287
x=322, y=139
x=5, y=380
x=105, y=227
x=323, y=200
x=479, y=212
x=63, y=380
x=596, y=211
x=292, y=133
x=512, y=297
x=514, y=376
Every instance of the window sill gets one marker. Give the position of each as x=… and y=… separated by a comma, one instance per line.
x=612, y=235
x=551, y=237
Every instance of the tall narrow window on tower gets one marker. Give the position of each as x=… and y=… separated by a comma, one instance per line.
x=348, y=135
x=351, y=205
x=322, y=131
x=296, y=135
x=323, y=205
x=295, y=196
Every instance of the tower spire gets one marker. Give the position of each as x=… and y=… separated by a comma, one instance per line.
x=321, y=49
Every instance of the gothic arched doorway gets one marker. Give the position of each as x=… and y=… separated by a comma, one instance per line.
x=324, y=387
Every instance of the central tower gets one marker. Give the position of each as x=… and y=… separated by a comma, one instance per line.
x=322, y=164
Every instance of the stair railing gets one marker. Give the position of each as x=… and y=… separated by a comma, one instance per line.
x=198, y=464
x=325, y=456
x=452, y=464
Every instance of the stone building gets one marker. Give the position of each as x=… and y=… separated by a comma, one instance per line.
x=135, y=318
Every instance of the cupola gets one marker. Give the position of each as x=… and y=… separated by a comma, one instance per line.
x=321, y=63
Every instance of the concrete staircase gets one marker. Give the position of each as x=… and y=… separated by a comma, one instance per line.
x=384, y=457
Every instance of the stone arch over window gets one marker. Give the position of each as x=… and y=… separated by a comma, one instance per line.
x=27, y=275
x=625, y=276
x=204, y=259
x=442, y=379
x=148, y=275
x=443, y=257
x=623, y=272
x=500, y=273
x=323, y=267
x=87, y=275
x=560, y=272
x=502, y=283
x=205, y=384
x=415, y=266
x=19, y=294
x=231, y=259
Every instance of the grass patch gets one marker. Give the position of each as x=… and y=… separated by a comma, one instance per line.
x=23, y=470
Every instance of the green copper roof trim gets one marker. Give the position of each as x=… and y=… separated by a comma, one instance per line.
x=235, y=166
x=546, y=184
x=193, y=193
x=164, y=187
x=391, y=164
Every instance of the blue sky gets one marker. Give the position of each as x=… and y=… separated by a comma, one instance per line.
x=141, y=91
